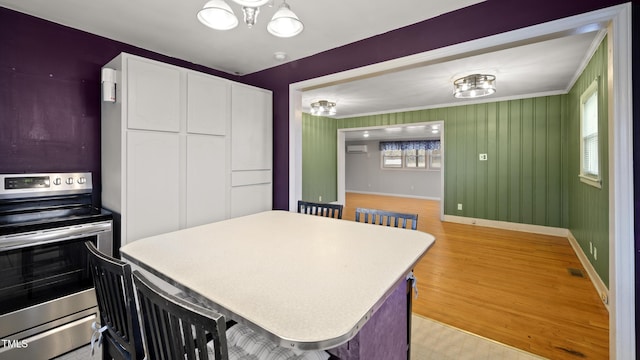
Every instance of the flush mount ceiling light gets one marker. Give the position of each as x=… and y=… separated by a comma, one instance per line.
x=473, y=86
x=218, y=15
x=323, y=107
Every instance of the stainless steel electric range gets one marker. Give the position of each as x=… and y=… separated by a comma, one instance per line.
x=47, y=301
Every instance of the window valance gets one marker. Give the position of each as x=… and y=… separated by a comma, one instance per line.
x=410, y=145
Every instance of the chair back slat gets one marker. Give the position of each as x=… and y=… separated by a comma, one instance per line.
x=320, y=209
x=388, y=218
x=116, y=304
x=176, y=329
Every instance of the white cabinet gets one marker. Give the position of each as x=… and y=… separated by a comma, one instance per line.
x=251, y=128
x=153, y=94
x=207, y=104
x=251, y=150
x=167, y=148
x=206, y=190
x=153, y=167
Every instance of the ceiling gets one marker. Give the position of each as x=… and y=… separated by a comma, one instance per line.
x=535, y=69
x=542, y=68
x=170, y=27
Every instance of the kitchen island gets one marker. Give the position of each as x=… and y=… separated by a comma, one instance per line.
x=305, y=282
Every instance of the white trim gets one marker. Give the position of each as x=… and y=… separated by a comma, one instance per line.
x=622, y=333
x=342, y=161
x=505, y=225
x=598, y=284
x=395, y=195
x=295, y=149
x=589, y=54
x=622, y=266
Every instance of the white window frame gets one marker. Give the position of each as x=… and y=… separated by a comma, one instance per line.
x=384, y=156
x=412, y=159
x=590, y=177
x=403, y=158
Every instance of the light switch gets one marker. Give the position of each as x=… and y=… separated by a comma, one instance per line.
x=483, y=157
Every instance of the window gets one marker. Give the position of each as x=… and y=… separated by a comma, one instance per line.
x=435, y=159
x=392, y=158
x=589, y=157
x=415, y=158
x=420, y=155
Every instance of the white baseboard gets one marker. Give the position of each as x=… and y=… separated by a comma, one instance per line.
x=536, y=229
x=601, y=288
x=396, y=195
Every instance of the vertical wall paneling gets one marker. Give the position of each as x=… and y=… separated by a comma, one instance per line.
x=520, y=182
x=515, y=161
x=492, y=162
x=588, y=205
x=481, y=180
x=540, y=145
x=319, y=158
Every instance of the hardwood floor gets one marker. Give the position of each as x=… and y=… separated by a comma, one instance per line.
x=508, y=286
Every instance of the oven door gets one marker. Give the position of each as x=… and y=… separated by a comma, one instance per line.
x=46, y=284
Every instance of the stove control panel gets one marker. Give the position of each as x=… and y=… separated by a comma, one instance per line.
x=26, y=185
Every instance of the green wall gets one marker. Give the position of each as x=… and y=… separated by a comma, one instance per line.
x=319, y=158
x=588, y=205
x=531, y=176
x=521, y=181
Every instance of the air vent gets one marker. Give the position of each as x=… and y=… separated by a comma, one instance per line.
x=355, y=149
x=575, y=272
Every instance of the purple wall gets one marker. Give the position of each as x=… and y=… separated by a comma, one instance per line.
x=50, y=94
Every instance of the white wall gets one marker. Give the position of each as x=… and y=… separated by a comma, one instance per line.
x=363, y=173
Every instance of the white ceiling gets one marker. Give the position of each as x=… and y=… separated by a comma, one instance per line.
x=171, y=28
x=542, y=68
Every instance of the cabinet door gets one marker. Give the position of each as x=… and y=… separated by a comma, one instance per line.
x=251, y=128
x=206, y=179
x=152, y=191
x=250, y=199
x=207, y=104
x=153, y=96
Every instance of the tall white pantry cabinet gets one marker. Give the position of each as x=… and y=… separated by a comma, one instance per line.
x=182, y=148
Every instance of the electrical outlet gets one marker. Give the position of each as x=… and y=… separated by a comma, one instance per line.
x=595, y=253
x=459, y=206
x=320, y=198
x=483, y=157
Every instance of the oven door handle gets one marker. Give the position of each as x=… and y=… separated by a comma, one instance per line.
x=17, y=241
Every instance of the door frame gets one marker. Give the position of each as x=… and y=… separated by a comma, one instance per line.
x=342, y=178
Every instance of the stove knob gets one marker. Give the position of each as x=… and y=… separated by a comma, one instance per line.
x=82, y=180
x=57, y=181
x=69, y=181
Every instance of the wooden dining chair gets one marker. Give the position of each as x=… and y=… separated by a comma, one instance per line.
x=326, y=210
x=119, y=327
x=388, y=218
x=176, y=329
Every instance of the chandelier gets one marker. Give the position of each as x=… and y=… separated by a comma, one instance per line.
x=323, y=107
x=473, y=86
x=217, y=14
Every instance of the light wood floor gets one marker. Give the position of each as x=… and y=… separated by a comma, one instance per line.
x=508, y=286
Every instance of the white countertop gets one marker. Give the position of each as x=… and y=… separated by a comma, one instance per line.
x=307, y=282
